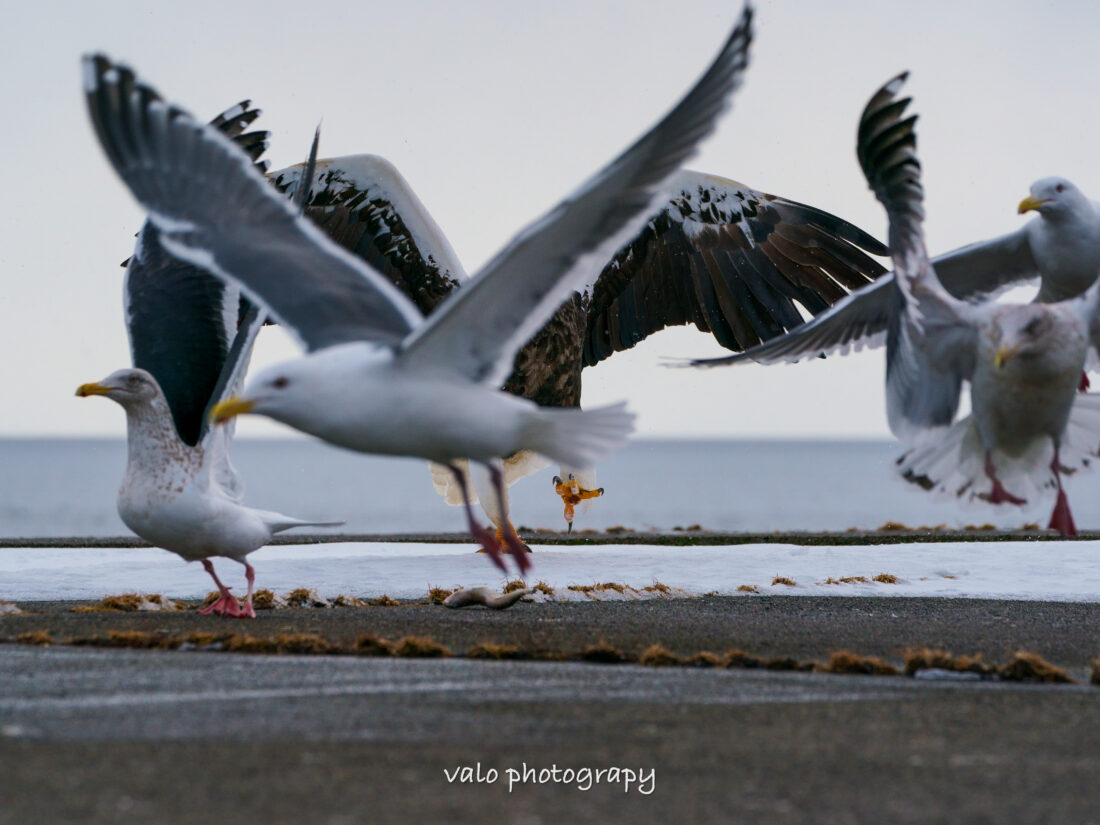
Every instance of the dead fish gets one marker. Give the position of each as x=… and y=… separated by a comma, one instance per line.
x=470, y=596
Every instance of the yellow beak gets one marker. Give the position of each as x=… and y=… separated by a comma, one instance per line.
x=230, y=408
x=1029, y=203
x=84, y=390
x=1004, y=354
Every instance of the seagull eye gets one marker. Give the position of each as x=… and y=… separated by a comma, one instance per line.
x=280, y=382
x=1034, y=327
x=133, y=380
x=1060, y=187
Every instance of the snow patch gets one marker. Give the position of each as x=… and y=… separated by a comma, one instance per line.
x=1057, y=571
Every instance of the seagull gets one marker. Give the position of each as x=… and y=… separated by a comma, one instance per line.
x=735, y=261
x=191, y=337
x=378, y=377
x=1029, y=425
x=1061, y=247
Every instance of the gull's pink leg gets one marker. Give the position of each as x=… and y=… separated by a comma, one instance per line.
x=1061, y=519
x=226, y=604
x=482, y=536
x=515, y=544
x=1083, y=385
x=247, y=610
x=999, y=495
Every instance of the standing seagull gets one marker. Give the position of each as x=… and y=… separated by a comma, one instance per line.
x=378, y=377
x=191, y=337
x=1029, y=424
x=732, y=260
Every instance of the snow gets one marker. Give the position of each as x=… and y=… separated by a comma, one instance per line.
x=1059, y=571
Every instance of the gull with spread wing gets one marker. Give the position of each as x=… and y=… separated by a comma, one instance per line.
x=191, y=338
x=378, y=377
x=1029, y=425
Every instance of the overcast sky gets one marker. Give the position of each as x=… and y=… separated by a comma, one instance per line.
x=494, y=111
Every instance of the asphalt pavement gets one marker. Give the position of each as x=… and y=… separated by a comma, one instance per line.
x=94, y=735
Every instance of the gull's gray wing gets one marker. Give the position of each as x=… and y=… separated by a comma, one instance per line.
x=216, y=211
x=932, y=338
x=181, y=320
x=734, y=261
x=365, y=205
x=216, y=439
x=479, y=329
x=861, y=319
x=984, y=267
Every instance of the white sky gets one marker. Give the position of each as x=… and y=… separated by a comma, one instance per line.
x=494, y=111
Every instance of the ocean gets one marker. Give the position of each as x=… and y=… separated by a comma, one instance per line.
x=67, y=487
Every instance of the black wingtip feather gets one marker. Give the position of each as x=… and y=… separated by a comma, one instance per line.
x=305, y=183
x=886, y=148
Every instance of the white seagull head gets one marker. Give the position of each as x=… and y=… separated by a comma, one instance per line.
x=291, y=390
x=1053, y=197
x=127, y=387
x=1026, y=334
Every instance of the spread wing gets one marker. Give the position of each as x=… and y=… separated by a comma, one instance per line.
x=181, y=320
x=734, y=261
x=215, y=210
x=861, y=319
x=932, y=340
x=480, y=328
x=365, y=205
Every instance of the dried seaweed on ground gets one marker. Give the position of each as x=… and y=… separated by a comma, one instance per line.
x=704, y=658
x=421, y=647
x=926, y=658
x=370, y=645
x=657, y=656
x=844, y=661
x=35, y=637
x=1031, y=667
x=490, y=650
x=437, y=595
x=603, y=653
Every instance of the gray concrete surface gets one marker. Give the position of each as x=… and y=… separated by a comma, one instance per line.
x=89, y=736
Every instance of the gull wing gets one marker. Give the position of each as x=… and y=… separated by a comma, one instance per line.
x=216, y=211
x=365, y=205
x=479, y=329
x=216, y=439
x=180, y=319
x=933, y=337
x=734, y=261
x=861, y=319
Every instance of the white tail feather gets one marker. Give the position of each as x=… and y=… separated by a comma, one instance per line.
x=278, y=522
x=952, y=461
x=579, y=438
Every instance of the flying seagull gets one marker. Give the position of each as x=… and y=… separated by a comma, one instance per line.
x=378, y=377
x=1029, y=425
x=733, y=260
x=191, y=337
